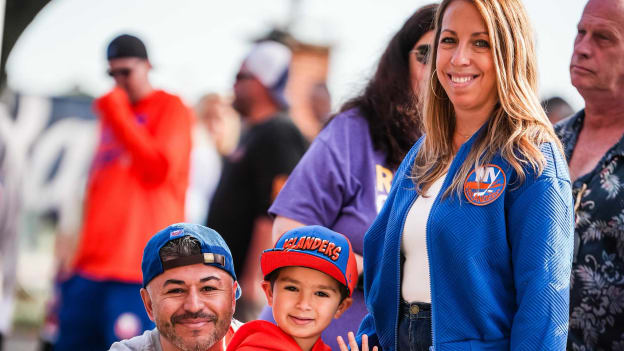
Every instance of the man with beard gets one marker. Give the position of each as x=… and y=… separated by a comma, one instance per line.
x=254, y=173
x=189, y=291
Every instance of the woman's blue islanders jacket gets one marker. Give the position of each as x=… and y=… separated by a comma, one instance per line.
x=500, y=273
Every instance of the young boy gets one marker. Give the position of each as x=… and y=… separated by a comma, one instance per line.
x=309, y=277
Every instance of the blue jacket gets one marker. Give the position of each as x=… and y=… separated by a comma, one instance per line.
x=500, y=272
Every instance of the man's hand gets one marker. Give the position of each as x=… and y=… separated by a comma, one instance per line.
x=353, y=344
x=113, y=99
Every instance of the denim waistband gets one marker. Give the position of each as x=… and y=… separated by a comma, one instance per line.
x=414, y=308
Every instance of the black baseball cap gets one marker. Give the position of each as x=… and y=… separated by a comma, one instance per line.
x=126, y=45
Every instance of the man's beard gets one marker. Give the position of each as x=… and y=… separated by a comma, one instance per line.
x=242, y=106
x=195, y=342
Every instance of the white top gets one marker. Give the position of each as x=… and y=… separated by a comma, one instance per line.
x=415, y=285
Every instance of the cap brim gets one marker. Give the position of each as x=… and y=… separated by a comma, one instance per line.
x=272, y=260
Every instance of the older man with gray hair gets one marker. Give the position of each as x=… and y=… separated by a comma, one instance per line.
x=594, y=145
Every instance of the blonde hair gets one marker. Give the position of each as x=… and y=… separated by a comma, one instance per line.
x=517, y=126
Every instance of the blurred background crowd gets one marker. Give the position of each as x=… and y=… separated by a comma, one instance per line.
x=53, y=65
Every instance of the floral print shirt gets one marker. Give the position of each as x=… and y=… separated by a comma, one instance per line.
x=597, y=286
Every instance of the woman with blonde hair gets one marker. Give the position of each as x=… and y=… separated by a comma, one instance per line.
x=473, y=248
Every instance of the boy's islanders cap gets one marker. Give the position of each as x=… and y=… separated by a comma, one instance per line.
x=214, y=251
x=314, y=247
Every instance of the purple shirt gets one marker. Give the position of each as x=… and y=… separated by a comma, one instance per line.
x=340, y=183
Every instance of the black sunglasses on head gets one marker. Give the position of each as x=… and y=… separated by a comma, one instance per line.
x=123, y=72
x=422, y=53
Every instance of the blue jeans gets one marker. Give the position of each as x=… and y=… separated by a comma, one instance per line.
x=414, y=326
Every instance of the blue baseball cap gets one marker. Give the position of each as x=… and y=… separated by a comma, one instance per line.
x=214, y=251
x=314, y=247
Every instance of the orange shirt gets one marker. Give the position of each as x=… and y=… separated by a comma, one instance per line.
x=137, y=182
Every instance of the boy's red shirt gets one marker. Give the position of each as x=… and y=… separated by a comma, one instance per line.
x=266, y=336
x=137, y=182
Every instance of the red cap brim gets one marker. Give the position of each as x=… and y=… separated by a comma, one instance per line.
x=272, y=260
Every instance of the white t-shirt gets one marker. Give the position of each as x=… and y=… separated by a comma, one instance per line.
x=415, y=286
x=148, y=341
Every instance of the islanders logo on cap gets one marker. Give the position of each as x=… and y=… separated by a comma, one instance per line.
x=176, y=233
x=313, y=247
x=318, y=246
x=484, y=184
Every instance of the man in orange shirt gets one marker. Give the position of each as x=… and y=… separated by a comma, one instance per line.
x=136, y=187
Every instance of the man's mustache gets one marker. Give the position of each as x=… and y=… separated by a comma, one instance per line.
x=208, y=317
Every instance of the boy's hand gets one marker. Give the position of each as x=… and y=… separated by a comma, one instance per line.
x=353, y=344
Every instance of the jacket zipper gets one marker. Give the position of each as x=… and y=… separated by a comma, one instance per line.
x=398, y=296
x=435, y=202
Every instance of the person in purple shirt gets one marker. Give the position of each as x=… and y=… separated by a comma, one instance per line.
x=344, y=178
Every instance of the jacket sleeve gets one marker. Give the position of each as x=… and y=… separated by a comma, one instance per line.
x=151, y=154
x=368, y=327
x=541, y=235
x=376, y=258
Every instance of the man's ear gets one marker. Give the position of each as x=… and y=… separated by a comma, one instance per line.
x=344, y=305
x=147, y=303
x=268, y=291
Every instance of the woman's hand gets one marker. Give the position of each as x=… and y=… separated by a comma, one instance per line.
x=353, y=344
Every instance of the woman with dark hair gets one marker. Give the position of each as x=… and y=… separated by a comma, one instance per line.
x=388, y=102
x=344, y=178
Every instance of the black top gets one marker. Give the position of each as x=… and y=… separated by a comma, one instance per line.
x=252, y=176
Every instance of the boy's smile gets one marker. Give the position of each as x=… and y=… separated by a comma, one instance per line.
x=304, y=302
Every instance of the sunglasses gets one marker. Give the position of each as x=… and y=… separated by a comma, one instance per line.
x=122, y=72
x=422, y=53
x=243, y=76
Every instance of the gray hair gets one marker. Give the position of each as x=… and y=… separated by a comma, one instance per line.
x=181, y=247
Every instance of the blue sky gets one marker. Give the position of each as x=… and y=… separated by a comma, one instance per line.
x=196, y=46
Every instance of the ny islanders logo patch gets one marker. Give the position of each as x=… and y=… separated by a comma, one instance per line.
x=484, y=184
